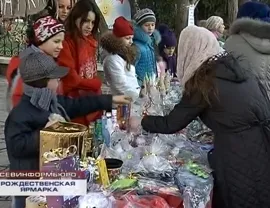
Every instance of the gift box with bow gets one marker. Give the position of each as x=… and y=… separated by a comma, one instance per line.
x=61, y=145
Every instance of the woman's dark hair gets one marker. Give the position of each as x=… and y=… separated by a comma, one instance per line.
x=42, y=83
x=203, y=81
x=80, y=10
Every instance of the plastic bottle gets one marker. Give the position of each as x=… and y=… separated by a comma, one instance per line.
x=105, y=133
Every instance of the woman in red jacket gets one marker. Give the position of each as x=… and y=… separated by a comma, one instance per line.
x=45, y=35
x=79, y=55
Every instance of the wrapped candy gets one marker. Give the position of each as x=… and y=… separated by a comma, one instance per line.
x=198, y=170
x=96, y=200
x=118, y=136
x=205, y=136
x=131, y=160
x=140, y=141
x=195, y=190
x=91, y=170
x=136, y=108
x=157, y=186
x=141, y=201
x=123, y=184
x=125, y=143
x=123, y=151
x=172, y=139
x=154, y=160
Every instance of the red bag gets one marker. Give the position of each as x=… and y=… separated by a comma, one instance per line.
x=146, y=201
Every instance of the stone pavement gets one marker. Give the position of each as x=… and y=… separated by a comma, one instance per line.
x=4, y=201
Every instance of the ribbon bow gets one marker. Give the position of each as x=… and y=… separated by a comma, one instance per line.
x=60, y=153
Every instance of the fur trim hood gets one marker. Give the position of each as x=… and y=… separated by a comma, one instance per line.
x=140, y=35
x=114, y=45
x=256, y=28
x=254, y=32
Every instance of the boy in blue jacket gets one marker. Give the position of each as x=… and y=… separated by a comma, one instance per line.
x=146, y=38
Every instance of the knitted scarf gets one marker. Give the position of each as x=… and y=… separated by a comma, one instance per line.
x=45, y=99
x=196, y=45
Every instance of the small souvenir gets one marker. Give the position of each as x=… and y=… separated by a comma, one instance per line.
x=198, y=170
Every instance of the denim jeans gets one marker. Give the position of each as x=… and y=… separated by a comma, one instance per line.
x=18, y=201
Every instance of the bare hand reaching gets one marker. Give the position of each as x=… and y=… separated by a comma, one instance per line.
x=121, y=99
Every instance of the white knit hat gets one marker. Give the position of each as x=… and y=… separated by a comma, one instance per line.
x=213, y=23
x=196, y=45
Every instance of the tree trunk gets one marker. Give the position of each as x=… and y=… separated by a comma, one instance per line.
x=103, y=27
x=182, y=15
x=134, y=7
x=232, y=10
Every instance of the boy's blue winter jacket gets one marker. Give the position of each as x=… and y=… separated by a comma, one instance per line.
x=146, y=56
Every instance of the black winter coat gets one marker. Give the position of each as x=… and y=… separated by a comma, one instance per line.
x=240, y=119
x=23, y=125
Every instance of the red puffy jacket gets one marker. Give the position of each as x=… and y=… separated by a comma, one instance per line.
x=15, y=83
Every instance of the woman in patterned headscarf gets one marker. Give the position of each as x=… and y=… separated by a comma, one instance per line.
x=235, y=106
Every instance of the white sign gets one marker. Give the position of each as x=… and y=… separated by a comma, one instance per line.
x=191, y=17
x=9, y=8
x=43, y=187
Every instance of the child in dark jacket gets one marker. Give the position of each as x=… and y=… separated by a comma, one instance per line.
x=167, y=48
x=41, y=75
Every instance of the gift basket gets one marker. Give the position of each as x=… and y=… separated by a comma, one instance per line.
x=61, y=146
x=36, y=202
x=62, y=139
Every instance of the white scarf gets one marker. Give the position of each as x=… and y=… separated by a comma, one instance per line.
x=196, y=45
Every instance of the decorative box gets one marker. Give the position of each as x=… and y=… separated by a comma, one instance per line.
x=35, y=202
x=61, y=145
x=62, y=136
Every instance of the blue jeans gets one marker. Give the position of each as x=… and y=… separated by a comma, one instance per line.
x=18, y=201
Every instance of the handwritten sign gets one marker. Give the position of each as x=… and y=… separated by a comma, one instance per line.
x=18, y=8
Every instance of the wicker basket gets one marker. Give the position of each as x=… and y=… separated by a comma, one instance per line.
x=64, y=135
